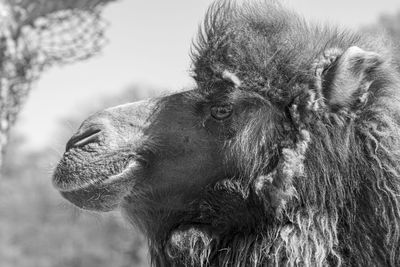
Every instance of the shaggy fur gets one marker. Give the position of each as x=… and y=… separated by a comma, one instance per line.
x=303, y=171
x=319, y=187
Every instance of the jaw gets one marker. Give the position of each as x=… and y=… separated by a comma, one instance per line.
x=210, y=211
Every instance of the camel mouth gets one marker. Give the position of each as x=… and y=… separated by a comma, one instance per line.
x=95, y=191
x=65, y=183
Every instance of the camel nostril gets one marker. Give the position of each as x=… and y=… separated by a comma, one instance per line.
x=83, y=138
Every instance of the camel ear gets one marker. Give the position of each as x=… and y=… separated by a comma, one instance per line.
x=349, y=79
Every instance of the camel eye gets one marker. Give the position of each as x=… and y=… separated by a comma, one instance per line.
x=221, y=112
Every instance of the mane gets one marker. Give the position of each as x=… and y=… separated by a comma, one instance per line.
x=333, y=177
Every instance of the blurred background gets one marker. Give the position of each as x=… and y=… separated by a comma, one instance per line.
x=147, y=54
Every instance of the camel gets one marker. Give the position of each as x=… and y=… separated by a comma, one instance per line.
x=286, y=152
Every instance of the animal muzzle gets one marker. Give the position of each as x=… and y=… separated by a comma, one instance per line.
x=100, y=164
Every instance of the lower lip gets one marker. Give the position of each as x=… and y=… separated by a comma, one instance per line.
x=129, y=170
x=97, y=199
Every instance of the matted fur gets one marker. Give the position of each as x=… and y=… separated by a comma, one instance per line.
x=286, y=152
x=310, y=186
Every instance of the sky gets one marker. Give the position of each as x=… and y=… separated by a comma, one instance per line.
x=149, y=44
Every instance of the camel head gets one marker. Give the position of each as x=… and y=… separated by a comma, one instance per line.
x=161, y=152
x=166, y=149
x=283, y=153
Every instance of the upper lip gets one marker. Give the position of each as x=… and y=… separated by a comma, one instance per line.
x=83, y=184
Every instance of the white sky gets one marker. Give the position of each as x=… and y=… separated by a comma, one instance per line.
x=149, y=45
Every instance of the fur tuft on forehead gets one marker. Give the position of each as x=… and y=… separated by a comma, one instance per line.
x=266, y=46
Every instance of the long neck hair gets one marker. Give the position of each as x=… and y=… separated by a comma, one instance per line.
x=328, y=197
x=312, y=187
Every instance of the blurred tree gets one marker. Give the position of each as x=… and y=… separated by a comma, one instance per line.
x=388, y=25
x=37, y=34
x=39, y=228
x=392, y=25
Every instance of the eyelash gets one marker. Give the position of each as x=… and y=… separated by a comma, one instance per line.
x=221, y=112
